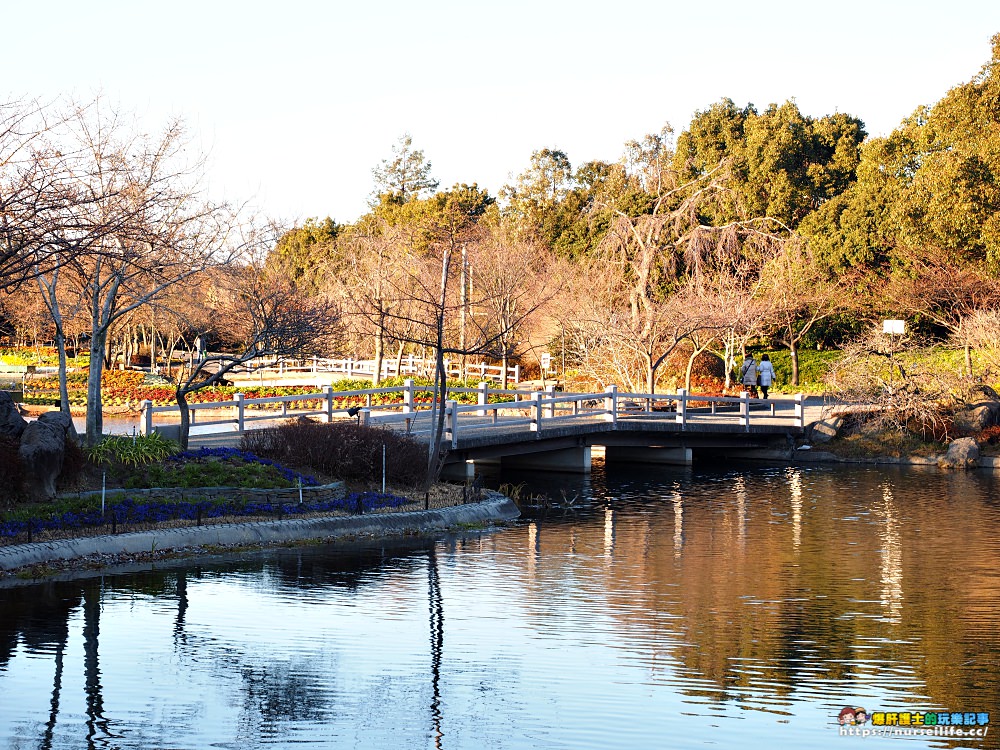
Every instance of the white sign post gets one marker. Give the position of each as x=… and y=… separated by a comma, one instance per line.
x=893, y=328
x=546, y=361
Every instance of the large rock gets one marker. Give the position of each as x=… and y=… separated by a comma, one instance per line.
x=825, y=430
x=64, y=422
x=12, y=424
x=42, y=450
x=963, y=453
x=978, y=417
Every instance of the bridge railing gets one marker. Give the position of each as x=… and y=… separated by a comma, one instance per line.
x=532, y=408
x=548, y=407
x=408, y=366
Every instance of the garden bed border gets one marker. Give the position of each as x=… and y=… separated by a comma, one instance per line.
x=495, y=508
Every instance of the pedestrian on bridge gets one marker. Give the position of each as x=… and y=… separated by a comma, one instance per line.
x=748, y=375
x=765, y=374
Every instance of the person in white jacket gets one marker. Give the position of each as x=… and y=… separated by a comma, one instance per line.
x=748, y=375
x=765, y=374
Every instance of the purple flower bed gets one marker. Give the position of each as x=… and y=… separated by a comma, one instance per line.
x=224, y=454
x=129, y=511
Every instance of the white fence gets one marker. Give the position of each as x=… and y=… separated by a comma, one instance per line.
x=533, y=409
x=408, y=366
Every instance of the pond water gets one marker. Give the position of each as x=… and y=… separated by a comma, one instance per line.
x=739, y=607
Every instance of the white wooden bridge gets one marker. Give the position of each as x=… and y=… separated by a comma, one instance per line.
x=500, y=423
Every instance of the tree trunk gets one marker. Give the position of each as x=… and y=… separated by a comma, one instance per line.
x=184, y=428
x=379, y=355
x=95, y=415
x=793, y=349
x=968, y=361
x=434, y=450
x=63, y=387
x=399, y=359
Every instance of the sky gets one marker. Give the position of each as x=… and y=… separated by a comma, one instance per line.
x=294, y=103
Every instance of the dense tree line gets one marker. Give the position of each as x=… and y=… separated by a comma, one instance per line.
x=750, y=227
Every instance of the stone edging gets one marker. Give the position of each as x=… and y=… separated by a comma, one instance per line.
x=814, y=456
x=495, y=508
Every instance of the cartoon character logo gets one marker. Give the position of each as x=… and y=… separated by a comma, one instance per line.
x=847, y=715
x=852, y=716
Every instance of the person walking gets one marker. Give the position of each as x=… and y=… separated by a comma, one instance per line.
x=748, y=375
x=765, y=374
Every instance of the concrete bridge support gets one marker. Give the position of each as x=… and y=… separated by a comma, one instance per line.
x=568, y=460
x=641, y=455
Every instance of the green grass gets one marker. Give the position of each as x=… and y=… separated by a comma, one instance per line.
x=213, y=473
x=813, y=366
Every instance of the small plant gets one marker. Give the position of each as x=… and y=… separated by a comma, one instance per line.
x=131, y=450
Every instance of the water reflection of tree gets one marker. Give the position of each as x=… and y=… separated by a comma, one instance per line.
x=781, y=585
x=97, y=724
x=436, y=606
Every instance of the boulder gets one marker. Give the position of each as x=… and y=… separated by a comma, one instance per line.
x=963, y=453
x=42, y=451
x=12, y=424
x=978, y=416
x=64, y=422
x=825, y=430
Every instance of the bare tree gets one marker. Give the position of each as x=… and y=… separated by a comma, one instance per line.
x=801, y=294
x=870, y=376
x=30, y=189
x=157, y=228
x=511, y=280
x=944, y=292
x=644, y=261
x=369, y=287
x=258, y=316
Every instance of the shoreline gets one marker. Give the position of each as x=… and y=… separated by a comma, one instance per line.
x=31, y=562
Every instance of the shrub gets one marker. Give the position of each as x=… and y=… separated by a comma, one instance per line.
x=348, y=451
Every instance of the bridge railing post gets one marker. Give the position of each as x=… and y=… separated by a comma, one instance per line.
x=240, y=407
x=745, y=410
x=611, y=405
x=365, y=417
x=146, y=418
x=550, y=393
x=517, y=374
x=328, y=390
x=451, y=420
x=483, y=397
x=408, y=396
x=536, y=413
x=682, y=407
x=800, y=410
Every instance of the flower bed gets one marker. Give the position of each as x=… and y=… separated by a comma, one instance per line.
x=131, y=512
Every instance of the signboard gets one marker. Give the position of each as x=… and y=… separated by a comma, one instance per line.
x=546, y=361
x=893, y=326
